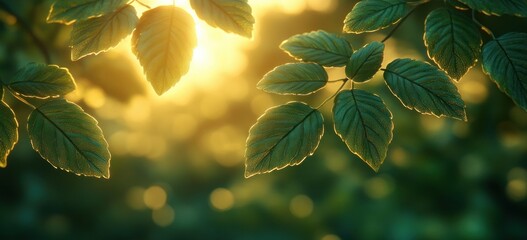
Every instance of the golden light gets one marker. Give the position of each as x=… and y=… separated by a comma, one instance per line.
x=222, y=199
x=155, y=197
x=301, y=206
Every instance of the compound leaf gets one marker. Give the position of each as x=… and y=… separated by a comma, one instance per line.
x=283, y=136
x=230, y=15
x=364, y=123
x=69, y=139
x=163, y=42
x=499, y=7
x=294, y=78
x=425, y=88
x=365, y=62
x=42, y=81
x=505, y=60
x=453, y=41
x=373, y=15
x=99, y=34
x=8, y=131
x=69, y=11
x=324, y=48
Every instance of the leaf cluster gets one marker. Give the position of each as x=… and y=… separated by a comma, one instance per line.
x=285, y=135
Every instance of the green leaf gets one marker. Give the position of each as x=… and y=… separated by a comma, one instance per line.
x=499, y=7
x=69, y=11
x=364, y=123
x=96, y=35
x=230, y=15
x=453, y=41
x=373, y=15
x=42, y=81
x=283, y=136
x=425, y=88
x=365, y=62
x=294, y=78
x=8, y=132
x=163, y=42
x=69, y=139
x=326, y=49
x=505, y=60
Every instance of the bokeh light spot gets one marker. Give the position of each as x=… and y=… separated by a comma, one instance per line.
x=330, y=237
x=301, y=206
x=222, y=199
x=94, y=97
x=163, y=216
x=155, y=197
x=377, y=187
x=134, y=198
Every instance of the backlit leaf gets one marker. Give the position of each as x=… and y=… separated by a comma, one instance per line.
x=505, y=60
x=294, y=78
x=283, y=136
x=8, y=131
x=230, y=15
x=163, y=42
x=365, y=124
x=96, y=35
x=69, y=139
x=499, y=7
x=324, y=48
x=453, y=41
x=69, y=11
x=42, y=81
x=372, y=15
x=365, y=62
x=425, y=88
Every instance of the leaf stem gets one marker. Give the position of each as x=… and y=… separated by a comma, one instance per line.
x=338, y=80
x=27, y=28
x=344, y=81
x=20, y=98
x=482, y=27
x=398, y=25
x=143, y=4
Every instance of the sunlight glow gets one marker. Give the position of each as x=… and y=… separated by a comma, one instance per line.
x=222, y=199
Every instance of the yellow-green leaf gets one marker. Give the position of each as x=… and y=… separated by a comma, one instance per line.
x=99, y=34
x=364, y=123
x=163, y=41
x=505, y=60
x=453, y=41
x=42, y=81
x=372, y=15
x=8, y=132
x=230, y=15
x=69, y=11
x=69, y=139
x=283, y=136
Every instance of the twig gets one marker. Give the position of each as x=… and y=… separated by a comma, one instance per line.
x=335, y=94
x=398, y=25
x=485, y=29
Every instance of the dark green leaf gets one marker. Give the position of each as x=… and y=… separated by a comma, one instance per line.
x=499, y=7
x=425, y=88
x=365, y=124
x=283, y=136
x=8, y=132
x=372, y=15
x=324, y=48
x=69, y=11
x=230, y=15
x=453, y=41
x=69, y=139
x=164, y=41
x=99, y=34
x=42, y=81
x=365, y=62
x=294, y=78
x=457, y=4
x=505, y=60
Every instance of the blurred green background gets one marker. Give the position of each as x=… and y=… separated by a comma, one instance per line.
x=177, y=165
